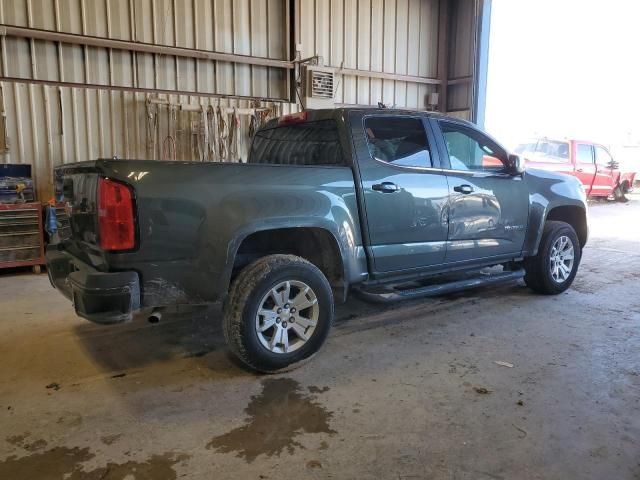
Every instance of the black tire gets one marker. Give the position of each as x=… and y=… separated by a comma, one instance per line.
x=538, y=275
x=243, y=301
x=619, y=194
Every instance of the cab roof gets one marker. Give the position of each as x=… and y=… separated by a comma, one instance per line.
x=335, y=113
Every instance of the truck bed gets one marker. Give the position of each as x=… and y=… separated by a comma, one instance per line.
x=192, y=216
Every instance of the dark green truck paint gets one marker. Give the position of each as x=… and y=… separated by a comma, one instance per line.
x=192, y=218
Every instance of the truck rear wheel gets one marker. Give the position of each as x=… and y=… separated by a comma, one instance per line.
x=278, y=313
x=555, y=266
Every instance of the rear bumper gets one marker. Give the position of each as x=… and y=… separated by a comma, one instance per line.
x=100, y=297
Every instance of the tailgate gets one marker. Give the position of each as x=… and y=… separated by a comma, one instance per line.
x=76, y=187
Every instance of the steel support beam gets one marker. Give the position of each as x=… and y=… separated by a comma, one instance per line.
x=460, y=80
x=443, y=53
x=86, y=40
x=482, y=62
x=119, y=88
x=74, y=39
x=388, y=76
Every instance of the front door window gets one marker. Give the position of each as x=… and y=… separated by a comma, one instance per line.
x=469, y=150
x=603, y=158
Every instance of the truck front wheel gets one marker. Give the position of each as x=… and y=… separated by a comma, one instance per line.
x=619, y=193
x=555, y=266
x=278, y=313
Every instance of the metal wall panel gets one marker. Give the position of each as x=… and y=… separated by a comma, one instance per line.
x=48, y=126
x=95, y=111
x=249, y=27
x=462, y=53
x=391, y=36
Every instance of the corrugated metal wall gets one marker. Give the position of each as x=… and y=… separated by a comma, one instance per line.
x=247, y=27
x=391, y=36
x=64, y=102
x=51, y=125
x=60, y=120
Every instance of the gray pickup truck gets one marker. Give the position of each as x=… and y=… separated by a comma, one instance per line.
x=389, y=204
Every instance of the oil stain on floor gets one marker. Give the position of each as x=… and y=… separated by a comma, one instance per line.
x=63, y=462
x=277, y=415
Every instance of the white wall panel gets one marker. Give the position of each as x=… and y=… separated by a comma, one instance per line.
x=48, y=124
x=392, y=36
x=248, y=27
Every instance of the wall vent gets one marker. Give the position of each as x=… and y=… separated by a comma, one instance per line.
x=321, y=84
x=319, y=87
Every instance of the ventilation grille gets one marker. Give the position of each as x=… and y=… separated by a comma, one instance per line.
x=321, y=84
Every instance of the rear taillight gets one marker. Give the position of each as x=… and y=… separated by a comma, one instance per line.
x=115, y=215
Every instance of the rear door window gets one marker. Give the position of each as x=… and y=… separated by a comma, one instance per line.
x=308, y=143
x=398, y=140
x=584, y=153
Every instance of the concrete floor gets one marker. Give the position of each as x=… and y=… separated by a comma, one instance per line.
x=393, y=394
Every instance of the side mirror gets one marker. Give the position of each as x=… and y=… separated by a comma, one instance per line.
x=516, y=164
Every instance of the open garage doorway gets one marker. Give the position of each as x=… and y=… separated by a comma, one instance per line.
x=562, y=89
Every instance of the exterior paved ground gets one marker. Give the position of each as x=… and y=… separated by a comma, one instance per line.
x=392, y=395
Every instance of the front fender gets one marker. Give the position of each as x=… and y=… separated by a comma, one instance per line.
x=628, y=177
x=549, y=190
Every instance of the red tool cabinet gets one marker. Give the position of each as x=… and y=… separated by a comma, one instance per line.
x=21, y=235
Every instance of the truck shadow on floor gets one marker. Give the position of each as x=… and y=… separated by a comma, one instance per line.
x=180, y=335
x=196, y=334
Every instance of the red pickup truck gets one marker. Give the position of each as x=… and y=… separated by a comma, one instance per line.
x=591, y=163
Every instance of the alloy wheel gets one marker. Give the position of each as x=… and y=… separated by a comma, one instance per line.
x=561, y=259
x=287, y=316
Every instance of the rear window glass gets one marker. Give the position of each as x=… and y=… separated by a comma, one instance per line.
x=309, y=143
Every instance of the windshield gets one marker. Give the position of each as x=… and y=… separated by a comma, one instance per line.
x=545, y=150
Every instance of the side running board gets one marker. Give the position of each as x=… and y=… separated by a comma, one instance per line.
x=390, y=294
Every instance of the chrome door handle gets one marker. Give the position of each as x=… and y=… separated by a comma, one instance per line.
x=466, y=189
x=385, y=187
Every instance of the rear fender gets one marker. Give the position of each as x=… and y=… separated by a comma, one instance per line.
x=352, y=254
